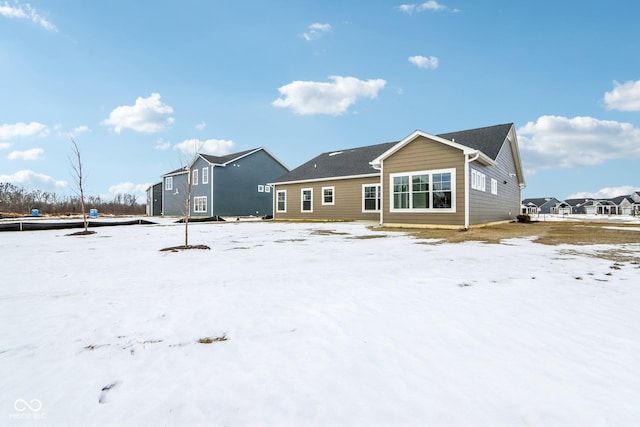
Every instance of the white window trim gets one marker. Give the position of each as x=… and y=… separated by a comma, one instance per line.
x=260, y=188
x=267, y=188
x=494, y=186
x=478, y=180
x=168, y=183
x=205, y=175
x=194, y=174
x=285, y=201
x=195, y=203
x=333, y=196
x=378, y=193
x=452, y=209
x=302, y=190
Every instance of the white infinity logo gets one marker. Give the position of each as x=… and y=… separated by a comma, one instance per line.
x=22, y=405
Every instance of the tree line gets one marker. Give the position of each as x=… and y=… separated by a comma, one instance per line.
x=18, y=200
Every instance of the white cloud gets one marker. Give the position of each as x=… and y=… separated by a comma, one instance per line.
x=161, y=144
x=29, y=178
x=25, y=12
x=316, y=30
x=305, y=97
x=215, y=147
x=146, y=115
x=554, y=141
x=80, y=129
x=201, y=125
x=9, y=131
x=624, y=97
x=606, y=193
x=4, y=145
x=430, y=62
x=430, y=5
x=32, y=154
x=129, y=188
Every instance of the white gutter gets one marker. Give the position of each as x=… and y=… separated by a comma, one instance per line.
x=379, y=166
x=467, y=160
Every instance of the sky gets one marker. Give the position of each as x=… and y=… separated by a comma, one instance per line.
x=140, y=86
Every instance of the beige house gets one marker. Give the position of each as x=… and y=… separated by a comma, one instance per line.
x=453, y=180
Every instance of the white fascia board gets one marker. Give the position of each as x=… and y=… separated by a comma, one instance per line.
x=332, y=178
x=378, y=160
x=175, y=173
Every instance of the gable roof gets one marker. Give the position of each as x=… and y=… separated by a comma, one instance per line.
x=229, y=158
x=620, y=199
x=540, y=201
x=577, y=202
x=337, y=164
x=178, y=171
x=488, y=140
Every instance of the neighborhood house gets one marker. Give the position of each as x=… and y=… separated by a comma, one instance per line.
x=452, y=180
x=620, y=205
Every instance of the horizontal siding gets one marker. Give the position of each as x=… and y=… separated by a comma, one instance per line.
x=347, y=199
x=486, y=207
x=423, y=154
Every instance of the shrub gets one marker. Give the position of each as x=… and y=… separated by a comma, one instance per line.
x=524, y=218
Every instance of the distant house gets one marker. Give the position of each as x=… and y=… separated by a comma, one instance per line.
x=451, y=180
x=154, y=200
x=541, y=205
x=624, y=205
x=577, y=205
x=231, y=185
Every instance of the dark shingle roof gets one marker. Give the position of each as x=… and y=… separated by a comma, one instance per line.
x=355, y=161
x=350, y=162
x=221, y=160
x=489, y=139
x=537, y=201
x=577, y=202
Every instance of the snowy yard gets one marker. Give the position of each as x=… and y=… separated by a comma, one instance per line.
x=283, y=324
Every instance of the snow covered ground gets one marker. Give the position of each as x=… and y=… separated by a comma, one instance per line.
x=314, y=325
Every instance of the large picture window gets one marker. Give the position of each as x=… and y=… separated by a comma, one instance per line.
x=371, y=198
x=306, y=200
x=281, y=201
x=200, y=204
x=423, y=191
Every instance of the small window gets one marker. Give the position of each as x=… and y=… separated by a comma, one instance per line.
x=200, y=204
x=168, y=183
x=371, y=198
x=306, y=200
x=494, y=186
x=267, y=189
x=205, y=175
x=478, y=180
x=195, y=177
x=328, y=195
x=260, y=188
x=281, y=201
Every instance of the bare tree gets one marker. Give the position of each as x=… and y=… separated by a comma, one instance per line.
x=76, y=168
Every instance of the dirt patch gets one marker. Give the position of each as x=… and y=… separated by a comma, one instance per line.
x=183, y=247
x=547, y=233
x=328, y=233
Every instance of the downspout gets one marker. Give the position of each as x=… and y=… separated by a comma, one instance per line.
x=211, y=184
x=467, y=184
x=381, y=190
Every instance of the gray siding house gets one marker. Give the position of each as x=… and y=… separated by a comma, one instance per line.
x=451, y=180
x=231, y=185
x=154, y=200
x=542, y=205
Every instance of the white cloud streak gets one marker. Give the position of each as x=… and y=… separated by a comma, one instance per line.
x=430, y=5
x=21, y=130
x=335, y=98
x=129, y=188
x=215, y=147
x=428, y=62
x=25, y=12
x=554, y=141
x=316, y=30
x=147, y=115
x=32, y=154
x=28, y=177
x=606, y=193
x=624, y=97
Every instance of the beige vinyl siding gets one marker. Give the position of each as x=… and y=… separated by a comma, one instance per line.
x=486, y=207
x=347, y=197
x=423, y=154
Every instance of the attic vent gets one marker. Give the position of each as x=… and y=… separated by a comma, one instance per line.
x=335, y=153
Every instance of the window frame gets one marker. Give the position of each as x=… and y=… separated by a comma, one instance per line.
x=378, y=198
x=430, y=192
x=260, y=188
x=302, y=191
x=205, y=175
x=494, y=186
x=478, y=180
x=333, y=196
x=278, y=192
x=200, y=204
x=194, y=177
x=168, y=183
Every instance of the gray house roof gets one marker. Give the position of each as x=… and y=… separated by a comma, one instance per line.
x=341, y=163
x=356, y=161
x=540, y=201
x=576, y=202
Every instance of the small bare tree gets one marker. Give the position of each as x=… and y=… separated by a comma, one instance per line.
x=76, y=168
